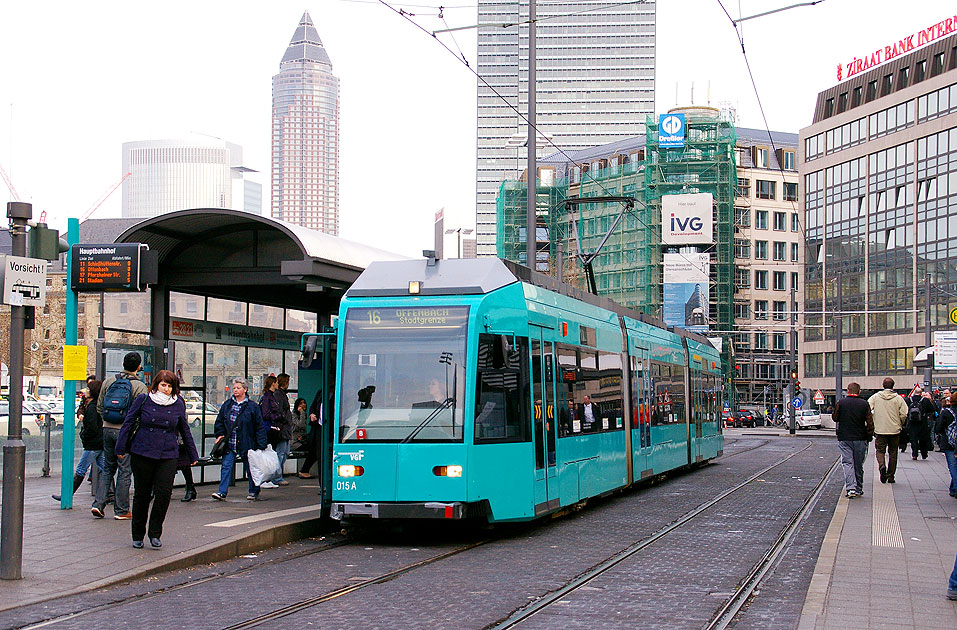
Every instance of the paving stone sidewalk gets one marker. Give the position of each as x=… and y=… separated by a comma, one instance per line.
x=887, y=555
x=71, y=551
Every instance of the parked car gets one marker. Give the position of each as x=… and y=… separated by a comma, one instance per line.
x=747, y=418
x=757, y=413
x=30, y=420
x=194, y=413
x=731, y=418
x=807, y=419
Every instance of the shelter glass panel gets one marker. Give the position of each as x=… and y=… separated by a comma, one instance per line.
x=223, y=364
x=265, y=316
x=187, y=305
x=226, y=311
x=127, y=311
x=262, y=362
x=301, y=321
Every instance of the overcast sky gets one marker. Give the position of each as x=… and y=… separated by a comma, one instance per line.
x=79, y=79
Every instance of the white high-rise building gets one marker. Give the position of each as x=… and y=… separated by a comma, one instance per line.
x=595, y=77
x=198, y=172
x=305, y=134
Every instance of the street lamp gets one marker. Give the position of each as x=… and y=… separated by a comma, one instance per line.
x=460, y=232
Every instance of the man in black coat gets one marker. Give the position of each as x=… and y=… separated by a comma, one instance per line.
x=920, y=418
x=855, y=427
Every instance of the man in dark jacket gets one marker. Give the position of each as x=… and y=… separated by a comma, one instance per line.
x=855, y=427
x=921, y=417
x=241, y=422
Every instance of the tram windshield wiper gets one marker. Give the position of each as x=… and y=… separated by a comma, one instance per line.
x=448, y=403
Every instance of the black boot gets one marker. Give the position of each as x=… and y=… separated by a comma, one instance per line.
x=77, y=482
x=190, y=495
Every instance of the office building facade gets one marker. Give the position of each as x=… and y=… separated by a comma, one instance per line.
x=878, y=169
x=305, y=134
x=169, y=175
x=595, y=77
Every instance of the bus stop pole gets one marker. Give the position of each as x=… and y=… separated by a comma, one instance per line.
x=14, y=450
x=69, y=387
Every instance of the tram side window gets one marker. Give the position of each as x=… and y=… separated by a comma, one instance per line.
x=569, y=422
x=609, y=391
x=501, y=380
x=678, y=392
x=669, y=393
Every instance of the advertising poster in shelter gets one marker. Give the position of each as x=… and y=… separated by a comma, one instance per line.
x=686, y=291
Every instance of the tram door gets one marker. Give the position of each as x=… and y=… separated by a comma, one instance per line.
x=641, y=401
x=317, y=377
x=697, y=411
x=543, y=413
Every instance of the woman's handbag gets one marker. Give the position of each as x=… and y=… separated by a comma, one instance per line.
x=219, y=448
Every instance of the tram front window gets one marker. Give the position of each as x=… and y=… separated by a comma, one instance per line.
x=403, y=374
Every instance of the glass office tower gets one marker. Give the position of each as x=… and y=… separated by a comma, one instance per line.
x=305, y=134
x=595, y=76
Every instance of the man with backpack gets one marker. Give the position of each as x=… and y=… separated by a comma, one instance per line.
x=116, y=396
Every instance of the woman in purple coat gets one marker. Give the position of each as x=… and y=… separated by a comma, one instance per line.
x=154, y=452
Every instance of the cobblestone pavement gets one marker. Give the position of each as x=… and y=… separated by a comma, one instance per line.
x=678, y=582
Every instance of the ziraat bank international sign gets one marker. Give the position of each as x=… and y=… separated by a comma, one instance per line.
x=686, y=219
x=895, y=49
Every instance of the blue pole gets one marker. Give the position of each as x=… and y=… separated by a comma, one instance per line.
x=69, y=387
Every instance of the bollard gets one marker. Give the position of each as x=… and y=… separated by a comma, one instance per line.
x=46, y=445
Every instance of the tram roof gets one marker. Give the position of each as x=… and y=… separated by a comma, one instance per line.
x=478, y=276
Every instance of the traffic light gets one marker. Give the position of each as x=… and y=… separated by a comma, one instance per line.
x=45, y=243
x=795, y=383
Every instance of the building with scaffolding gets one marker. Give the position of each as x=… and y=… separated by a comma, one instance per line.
x=626, y=244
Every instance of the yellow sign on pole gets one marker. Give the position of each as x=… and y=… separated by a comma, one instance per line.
x=74, y=363
x=953, y=316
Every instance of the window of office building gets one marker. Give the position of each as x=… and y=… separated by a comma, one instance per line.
x=760, y=279
x=790, y=191
x=742, y=278
x=937, y=103
x=760, y=309
x=743, y=188
x=764, y=189
x=780, y=221
x=780, y=281
x=788, y=160
x=886, y=360
x=814, y=147
x=761, y=157
x=891, y=119
x=761, y=341
x=795, y=250
x=795, y=222
x=761, y=219
x=871, y=91
x=742, y=217
x=780, y=310
x=780, y=250
x=847, y=135
x=742, y=310
x=742, y=248
x=780, y=341
x=761, y=250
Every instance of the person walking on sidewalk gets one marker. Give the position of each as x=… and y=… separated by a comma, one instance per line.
x=314, y=439
x=91, y=436
x=116, y=396
x=921, y=416
x=149, y=436
x=855, y=427
x=285, y=425
x=889, y=410
x=241, y=423
x=948, y=415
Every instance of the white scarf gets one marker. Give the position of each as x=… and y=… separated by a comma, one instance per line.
x=162, y=399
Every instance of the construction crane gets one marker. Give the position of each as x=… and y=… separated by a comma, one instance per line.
x=6, y=180
x=102, y=199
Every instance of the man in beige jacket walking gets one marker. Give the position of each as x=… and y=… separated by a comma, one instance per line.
x=889, y=411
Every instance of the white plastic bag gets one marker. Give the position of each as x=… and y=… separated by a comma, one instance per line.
x=263, y=465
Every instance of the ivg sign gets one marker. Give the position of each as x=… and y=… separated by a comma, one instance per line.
x=686, y=219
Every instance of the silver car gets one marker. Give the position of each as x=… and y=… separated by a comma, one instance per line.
x=808, y=419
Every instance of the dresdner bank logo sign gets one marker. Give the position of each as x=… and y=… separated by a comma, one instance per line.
x=671, y=131
x=687, y=219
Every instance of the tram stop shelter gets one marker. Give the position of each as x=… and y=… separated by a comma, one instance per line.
x=235, y=293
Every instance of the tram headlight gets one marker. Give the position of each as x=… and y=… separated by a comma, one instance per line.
x=349, y=470
x=447, y=471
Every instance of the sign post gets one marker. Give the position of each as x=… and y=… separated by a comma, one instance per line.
x=70, y=379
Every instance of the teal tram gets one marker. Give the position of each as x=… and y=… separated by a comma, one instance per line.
x=478, y=389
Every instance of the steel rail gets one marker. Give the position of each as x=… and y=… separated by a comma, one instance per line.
x=725, y=616
x=178, y=587
x=524, y=613
x=319, y=599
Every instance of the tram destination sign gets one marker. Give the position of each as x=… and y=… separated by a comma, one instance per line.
x=111, y=267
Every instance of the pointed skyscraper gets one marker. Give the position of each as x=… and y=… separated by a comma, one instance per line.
x=305, y=134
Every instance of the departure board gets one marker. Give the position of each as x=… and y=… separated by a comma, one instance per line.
x=112, y=267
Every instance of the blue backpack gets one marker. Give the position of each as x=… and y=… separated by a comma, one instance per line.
x=117, y=400
x=951, y=432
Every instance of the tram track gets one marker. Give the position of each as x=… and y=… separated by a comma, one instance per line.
x=333, y=594
x=735, y=602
